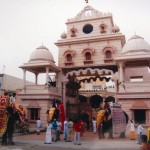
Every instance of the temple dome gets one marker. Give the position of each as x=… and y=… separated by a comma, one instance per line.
x=42, y=53
x=136, y=44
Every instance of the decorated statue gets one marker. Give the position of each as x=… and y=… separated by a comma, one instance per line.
x=111, y=119
x=9, y=114
x=56, y=111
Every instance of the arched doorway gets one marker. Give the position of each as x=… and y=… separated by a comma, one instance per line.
x=82, y=98
x=95, y=101
x=110, y=99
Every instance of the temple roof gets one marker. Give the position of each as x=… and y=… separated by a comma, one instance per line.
x=89, y=13
x=136, y=44
x=41, y=53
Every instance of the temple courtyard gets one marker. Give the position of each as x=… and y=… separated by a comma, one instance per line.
x=89, y=141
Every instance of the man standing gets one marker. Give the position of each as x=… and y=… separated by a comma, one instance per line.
x=70, y=130
x=38, y=125
x=59, y=125
x=77, y=130
x=139, y=133
x=65, y=129
x=13, y=98
x=54, y=129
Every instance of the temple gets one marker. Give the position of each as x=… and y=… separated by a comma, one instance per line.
x=95, y=64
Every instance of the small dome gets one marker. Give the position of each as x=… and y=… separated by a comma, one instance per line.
x=136, y=44
x=63, y=35
x=42, y=53
x=115, y=29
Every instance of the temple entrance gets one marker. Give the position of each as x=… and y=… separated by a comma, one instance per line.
x=82, y=99
x=87, y=89
x=95, y=102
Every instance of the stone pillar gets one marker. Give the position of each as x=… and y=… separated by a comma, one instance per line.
x=24, y=78
x=147, y=117
x=88, y=99
x=64, y=95
x=47, y=72
x=121, y=77
x=36, y=78
x=121, y=72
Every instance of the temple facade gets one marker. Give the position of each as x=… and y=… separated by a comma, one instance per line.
x=95, y=64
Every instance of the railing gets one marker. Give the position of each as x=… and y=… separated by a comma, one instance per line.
x=41, y=88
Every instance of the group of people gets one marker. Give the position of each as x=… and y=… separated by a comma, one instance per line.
x=54, y=128
x=141, y=137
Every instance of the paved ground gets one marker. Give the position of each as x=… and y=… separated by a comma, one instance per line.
x=89, y=141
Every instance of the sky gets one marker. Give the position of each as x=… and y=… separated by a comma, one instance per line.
x=28, y=24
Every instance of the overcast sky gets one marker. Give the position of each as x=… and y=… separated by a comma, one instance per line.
x=26, y=24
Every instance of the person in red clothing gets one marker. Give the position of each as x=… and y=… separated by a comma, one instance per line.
x=77, y=130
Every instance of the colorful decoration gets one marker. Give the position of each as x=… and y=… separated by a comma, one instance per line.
x=100, y=117
x=20, y=110
x=57, y=111
x=51, y=113
x=95, y=78
x=4, y=104
x=4, y=101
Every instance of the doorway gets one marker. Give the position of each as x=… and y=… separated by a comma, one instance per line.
x=140, y=116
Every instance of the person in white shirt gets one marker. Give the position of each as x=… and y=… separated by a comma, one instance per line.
x=140, y=129
x=48, y=138
x=94, y=122
x=132, y=130
x=38, y=125
x=13, y=98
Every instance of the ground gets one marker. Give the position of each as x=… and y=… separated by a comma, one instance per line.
x=89, y=141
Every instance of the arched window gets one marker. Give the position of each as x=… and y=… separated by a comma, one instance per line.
x=69, y=58
x=103, y=28
x=87, y=56
x=73, y=31
x=108, y=54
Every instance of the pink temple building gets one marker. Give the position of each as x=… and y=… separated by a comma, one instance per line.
x=92, y=53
